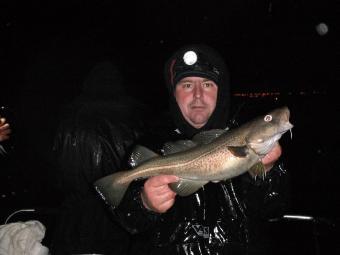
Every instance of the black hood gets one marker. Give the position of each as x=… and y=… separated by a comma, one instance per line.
x=104, y=82
x=209, y=64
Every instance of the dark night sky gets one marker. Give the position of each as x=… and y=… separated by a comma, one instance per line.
x=47, y=48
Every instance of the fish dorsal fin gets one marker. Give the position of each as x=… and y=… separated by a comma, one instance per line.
x=239, y=151
x=177, y=146
x=185, y=187
x=140, y=154
x=206, y=137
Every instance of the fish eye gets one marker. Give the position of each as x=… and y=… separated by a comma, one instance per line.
x=268, y=118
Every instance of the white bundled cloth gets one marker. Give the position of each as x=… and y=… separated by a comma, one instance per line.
x=22, y=238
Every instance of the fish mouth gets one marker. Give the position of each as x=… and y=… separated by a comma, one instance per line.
x=261, y=148
x=287, y=126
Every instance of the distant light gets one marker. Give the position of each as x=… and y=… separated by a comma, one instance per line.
x=298, y=217
x=321, y=28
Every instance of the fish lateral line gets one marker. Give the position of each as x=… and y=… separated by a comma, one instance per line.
x=142, y=173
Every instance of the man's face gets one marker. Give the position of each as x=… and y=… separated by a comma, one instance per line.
x=196, y=97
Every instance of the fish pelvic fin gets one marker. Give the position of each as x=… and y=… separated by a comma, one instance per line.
x=257, y=170
x=111, y=189
x=185, y=187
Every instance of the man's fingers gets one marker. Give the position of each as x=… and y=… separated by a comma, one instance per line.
x=5, y=132
x=163, y=202
x=4, y=127
x=158, y=203
x=161, y=180
x=269, y=160
x=167, y=195
x=3, y=138
x=158, y=185
x=157, y=194
x=165, y=206
x=160, y=190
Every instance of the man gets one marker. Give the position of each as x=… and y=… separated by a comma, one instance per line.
x=218, y=218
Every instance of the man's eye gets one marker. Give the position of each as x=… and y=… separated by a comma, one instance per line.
x=207, y=84
x=187, y=85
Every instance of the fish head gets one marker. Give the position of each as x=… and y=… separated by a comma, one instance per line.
x=265, y=131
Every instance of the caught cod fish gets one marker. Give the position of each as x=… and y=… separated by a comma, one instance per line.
x=212, y=155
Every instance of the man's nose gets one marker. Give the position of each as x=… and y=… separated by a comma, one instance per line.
x=197, y=91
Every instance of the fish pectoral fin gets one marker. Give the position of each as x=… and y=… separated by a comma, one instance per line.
x=140, y=154
x=185, y=187
x=257, y=170
x=239, y=151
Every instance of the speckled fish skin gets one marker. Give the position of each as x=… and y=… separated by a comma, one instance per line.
x=231, y=154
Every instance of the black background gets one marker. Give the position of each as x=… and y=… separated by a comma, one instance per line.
x=48, y=47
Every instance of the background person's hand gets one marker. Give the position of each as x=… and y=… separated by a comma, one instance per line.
x=4, y=129
x=157, y=195
x=269, y=160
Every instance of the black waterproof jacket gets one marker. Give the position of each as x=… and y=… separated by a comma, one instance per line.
x=95, y=136
x=221, y=218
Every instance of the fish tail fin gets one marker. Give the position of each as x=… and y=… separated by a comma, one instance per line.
x=112, y=188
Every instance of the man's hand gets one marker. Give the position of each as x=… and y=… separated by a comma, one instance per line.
x=269, y=160
x=4, y=130
x=157, y=195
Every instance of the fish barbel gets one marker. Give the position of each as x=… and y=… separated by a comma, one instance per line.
x=212, y=155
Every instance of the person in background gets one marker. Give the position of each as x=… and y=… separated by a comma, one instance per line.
x=5, y=131
x=220, y=218
x=94, y=135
